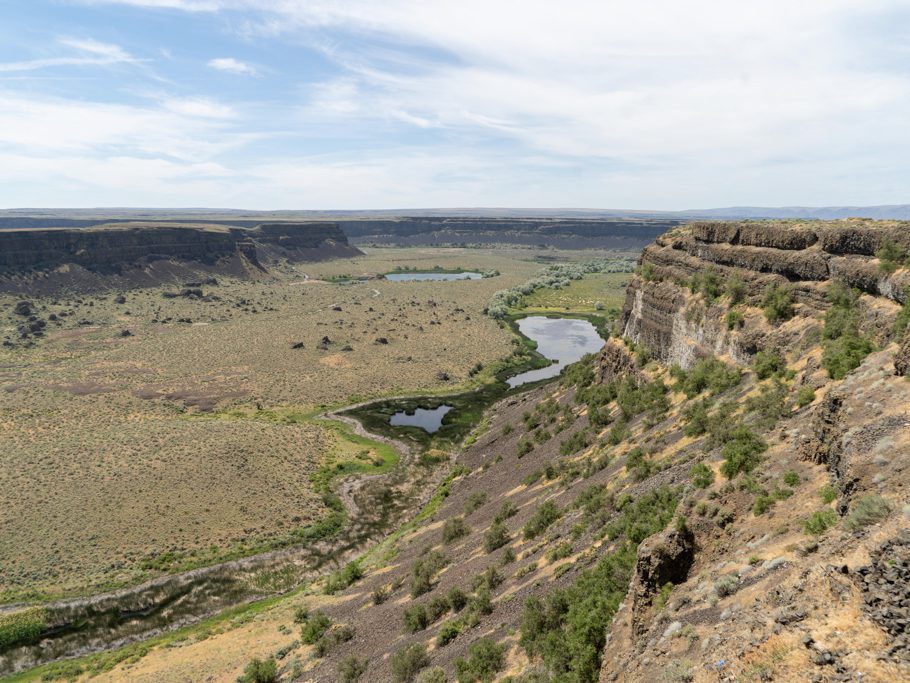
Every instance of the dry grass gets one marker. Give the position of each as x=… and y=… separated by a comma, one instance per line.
x=102, y=464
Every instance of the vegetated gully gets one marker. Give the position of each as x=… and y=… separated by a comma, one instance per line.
x=77, y=627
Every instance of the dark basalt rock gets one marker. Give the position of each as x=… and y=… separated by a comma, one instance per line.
x=885, y=584
x=902, y=359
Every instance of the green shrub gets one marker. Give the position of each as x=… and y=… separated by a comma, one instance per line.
x=380, y=595
x=618, y=432
x=474, y=501
x=524, y=447
x=351, y=668
x=827, y=493
x=314, y=627
x=448, y=632
x=507, y=429
x=777, y=303
x=736, y=290
x=891, y=256
x=508, y=557
x=742, y=452
x=532, y=478
x=762, y=504
x=648, y=397
x=22, y=627
x=436, y=608
x=735, y=320
x=560, y=552
x=640, y=518
x=638, y=464
x=260, y=671
x=568, y=627
x=726, y=585
x=543, y=517
x=343, y=578
x=696, y=418
x=481, y=602
x=805, y=396
x=819, y=522
x=903, y=318
x=435, y=675
x=457, y=598
x=770, y=404
x=426, y=567
x=845, y=347
x=845, y=353
x=454, y=529
x=707, y=374
x=867, y=511
x=485, y=659
x=495, y=537
x=708, y=283
x=507, y=509
x=792, y=478
x=408, y=661
x=490, y=579
x=576, y=442
x=768, y=364
x=342, y=634
x=720, y=425
x=702, y=476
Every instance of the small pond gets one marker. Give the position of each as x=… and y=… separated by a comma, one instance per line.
x=402, y=277
x=562, y=340
x=428, y=419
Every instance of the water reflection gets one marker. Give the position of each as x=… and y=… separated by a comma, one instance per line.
x=401, y=277
x=428, y=419
x=562, y=340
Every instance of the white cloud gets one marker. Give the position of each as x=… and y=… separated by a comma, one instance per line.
x=189, y=130
x=656, y=104
x=86, y=53
x=233, y=66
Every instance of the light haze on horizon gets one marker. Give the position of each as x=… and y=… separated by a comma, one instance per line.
x=381, y=104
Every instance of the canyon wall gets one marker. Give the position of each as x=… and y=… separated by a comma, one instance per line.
x=142, y=254
x=662, y=314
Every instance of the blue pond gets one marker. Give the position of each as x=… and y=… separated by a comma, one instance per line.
x=562, y=340
x=428, y=419
x=402, y=277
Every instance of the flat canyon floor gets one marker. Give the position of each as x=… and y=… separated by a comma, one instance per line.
x=121, y=436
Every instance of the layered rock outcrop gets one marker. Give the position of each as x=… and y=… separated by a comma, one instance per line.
x=124, y=247
x=678, y=326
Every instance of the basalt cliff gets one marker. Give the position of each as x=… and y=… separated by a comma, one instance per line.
x=139, y=254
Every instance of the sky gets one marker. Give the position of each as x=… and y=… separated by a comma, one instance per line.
x=383, y=104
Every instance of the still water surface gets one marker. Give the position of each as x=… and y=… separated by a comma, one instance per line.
x=428, y=419
x=401, y=277
x=563, y=340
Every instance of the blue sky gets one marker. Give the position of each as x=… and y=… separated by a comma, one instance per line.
x=346, y=104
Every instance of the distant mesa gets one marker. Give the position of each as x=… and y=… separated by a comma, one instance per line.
x=137, y=254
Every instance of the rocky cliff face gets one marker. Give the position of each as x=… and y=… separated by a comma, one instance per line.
x=134, y=249
x=798, y=589
x=662, y=314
